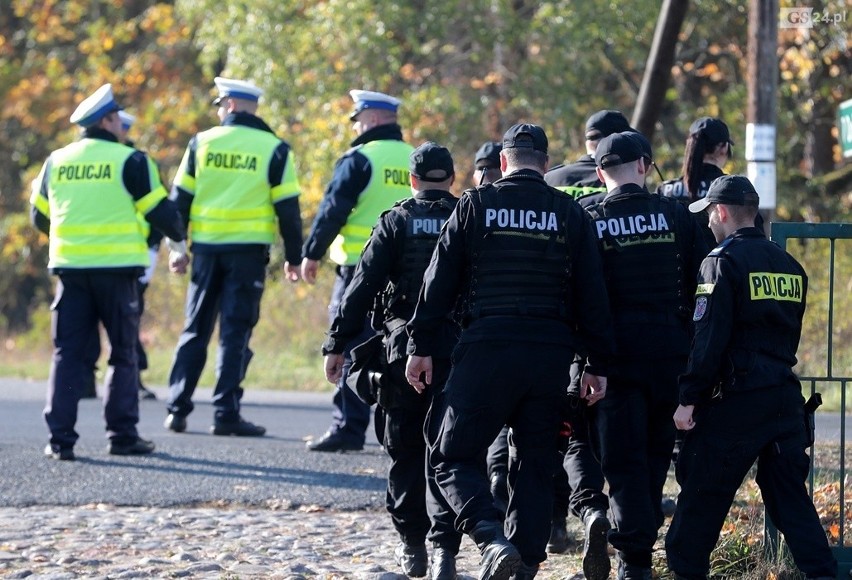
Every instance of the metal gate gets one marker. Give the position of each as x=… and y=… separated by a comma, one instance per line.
x=826, y=380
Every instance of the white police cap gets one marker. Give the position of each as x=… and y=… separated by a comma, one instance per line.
x=236, y=89
x=95, y=107
x=372, y=100
x=127, y=119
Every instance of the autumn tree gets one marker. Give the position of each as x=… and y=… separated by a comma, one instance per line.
x=52, y=54
x=465, y=70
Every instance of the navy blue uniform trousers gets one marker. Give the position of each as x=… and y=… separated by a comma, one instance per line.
x=497, y=457
x=228, y=286
x=82, y=300
x=350, y=415
x=636, y=435
x=492, y=384
x=140, y=348
x=93, y=350
x=765, y=425
x=583, y=470
x=414, y=501
x=580, y=462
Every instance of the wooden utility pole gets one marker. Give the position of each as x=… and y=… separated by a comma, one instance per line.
x=762, y=87
x=658, y=72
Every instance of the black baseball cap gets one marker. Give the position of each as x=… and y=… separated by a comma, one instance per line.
x=617, y=149
x=644, y=144
x=525, y=136
x=431, y=158
x=728, y=190
x=605, y=123
x=713, y=129
x=488, y=155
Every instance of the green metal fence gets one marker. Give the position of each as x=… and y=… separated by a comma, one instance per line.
x=782, y=233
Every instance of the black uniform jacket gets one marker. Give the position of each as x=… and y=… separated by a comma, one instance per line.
x=449, y=274
x=748, y=318
x=580, y=173
x=676, y=189
x=378, y=265
x=579, y=180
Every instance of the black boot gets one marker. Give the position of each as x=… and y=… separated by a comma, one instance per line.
x=559, y=541
x=146, y=394
x=500, y=559
x=240, y=428
x=412, y=559
x=632, y=571
x=668, y=505
x=596, y=564
x=525, y=572
x=443, y=564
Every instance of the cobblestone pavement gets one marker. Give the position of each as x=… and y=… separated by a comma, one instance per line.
x=200, y=506
x=213, y=542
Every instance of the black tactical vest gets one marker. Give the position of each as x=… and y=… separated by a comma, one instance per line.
x=643, y=265
x=520, y=259
x=423, y=222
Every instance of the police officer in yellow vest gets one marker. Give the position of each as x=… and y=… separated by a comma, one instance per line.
x=153, y=238
x=88, y=198
x=367, y=180
x=233, y=182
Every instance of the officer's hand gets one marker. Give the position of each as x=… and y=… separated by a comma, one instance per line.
x=592, y=388
x=683, y=417
x=291, y=272
x=333, y=367
x=418, y=372
x=309, y=270
x=149, y=271
x=178, y=262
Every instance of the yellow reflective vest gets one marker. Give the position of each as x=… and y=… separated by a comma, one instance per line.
x=94, y=220
x=233, y=199
x=580, y=191
x=389, y=183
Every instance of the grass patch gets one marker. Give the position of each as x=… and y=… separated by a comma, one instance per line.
x=294, y=319
x=286, y=341
x=739, y=553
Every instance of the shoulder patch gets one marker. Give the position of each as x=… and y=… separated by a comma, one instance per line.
x=704, y=289
x=700, y=308
x=775, y=286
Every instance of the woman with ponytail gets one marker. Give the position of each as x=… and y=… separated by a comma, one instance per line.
x=708, y=149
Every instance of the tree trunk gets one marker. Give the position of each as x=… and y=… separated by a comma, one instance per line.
x=658, y=72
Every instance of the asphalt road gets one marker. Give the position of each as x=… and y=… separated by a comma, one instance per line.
x=197, y=467
x=189, y=468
